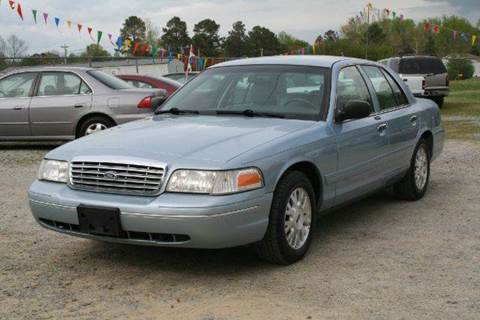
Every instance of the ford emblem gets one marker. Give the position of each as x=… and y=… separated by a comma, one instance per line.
x=110, y=175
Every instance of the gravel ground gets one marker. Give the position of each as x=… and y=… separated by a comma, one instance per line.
x=377, y=259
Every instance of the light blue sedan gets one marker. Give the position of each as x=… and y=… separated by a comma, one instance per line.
x=249, y=152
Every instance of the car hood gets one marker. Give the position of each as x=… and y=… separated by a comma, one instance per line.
x=168, y=138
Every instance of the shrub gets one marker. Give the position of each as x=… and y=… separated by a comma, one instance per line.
x=459, y=68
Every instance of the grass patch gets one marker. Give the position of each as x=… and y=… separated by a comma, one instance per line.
x=461, y=111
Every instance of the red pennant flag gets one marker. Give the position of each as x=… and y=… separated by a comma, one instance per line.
x=12, y=4
x=426, y=26
x=145, y=49
x=19, y=11
x=90, y=29
x=79, y=26
x=135, y=47
x=436, y=28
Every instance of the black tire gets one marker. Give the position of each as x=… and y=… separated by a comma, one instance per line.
x=439, y=101
x=407, y=188
x=82, y=130
x=274, y=246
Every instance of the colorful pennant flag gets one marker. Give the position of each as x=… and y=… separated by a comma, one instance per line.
x=45, y=17
x=12, y=4
x=69, y=24
x=135, y=47
x=79, y=27
x=474, y=38
x=34, y=13
x=99, y=36
x=426, y=26
x=119, y=42
x=19, y=11
x=57, y=21
x=90, y=29
x=436, y=29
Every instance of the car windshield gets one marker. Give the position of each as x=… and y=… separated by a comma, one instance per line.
x=287, y=91
x=109, y=80
x=421, y=66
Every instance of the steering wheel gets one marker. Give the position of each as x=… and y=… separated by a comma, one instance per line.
x=305, y=101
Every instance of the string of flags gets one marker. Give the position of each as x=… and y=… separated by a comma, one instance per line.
x=456, y=34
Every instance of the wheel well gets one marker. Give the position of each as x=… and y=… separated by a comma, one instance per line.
x=427, y=136
x=89, y=116
x=312, y=173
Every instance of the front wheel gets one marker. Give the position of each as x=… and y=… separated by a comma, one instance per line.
x=414, y=185
x=291, y=222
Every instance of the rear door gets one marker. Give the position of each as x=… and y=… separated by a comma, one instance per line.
x=361, y=143
x=61, y=99
x=15, y=97
x=401, y=118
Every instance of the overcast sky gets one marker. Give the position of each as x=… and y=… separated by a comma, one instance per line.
x=304, y=19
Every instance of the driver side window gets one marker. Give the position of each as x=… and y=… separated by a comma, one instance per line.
x=17, y=85
x=351, y=86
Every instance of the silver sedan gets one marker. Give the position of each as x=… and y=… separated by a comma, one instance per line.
x=64, y=103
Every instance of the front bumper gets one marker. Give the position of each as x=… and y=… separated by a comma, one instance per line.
x=177, y=220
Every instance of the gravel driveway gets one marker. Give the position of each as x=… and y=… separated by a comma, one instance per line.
x=377, y=259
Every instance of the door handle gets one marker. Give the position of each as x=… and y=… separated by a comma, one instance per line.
x=78, y=106
x=413, y=119
x=382, y=127
x=17, y=108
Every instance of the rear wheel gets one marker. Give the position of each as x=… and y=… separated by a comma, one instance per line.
x=414, y=185
x=291, y=222
x=439, y=101
x=93, y=125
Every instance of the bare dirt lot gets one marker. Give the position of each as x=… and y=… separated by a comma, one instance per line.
x=380, y=258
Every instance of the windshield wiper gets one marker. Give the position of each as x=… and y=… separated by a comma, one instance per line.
x=177, y=111
x=251, y=113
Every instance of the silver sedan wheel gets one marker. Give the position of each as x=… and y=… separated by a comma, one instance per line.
x=421, y=168
x=95, y=127
x=298, y=218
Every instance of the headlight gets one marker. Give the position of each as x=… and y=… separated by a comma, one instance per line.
x=215, y=182
x=53, y=170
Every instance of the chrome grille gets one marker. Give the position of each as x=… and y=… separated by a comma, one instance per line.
x=116, y=177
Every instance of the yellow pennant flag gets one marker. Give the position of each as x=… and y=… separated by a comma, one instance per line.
x=314, y=47
x=474, y=38
x=69, y=24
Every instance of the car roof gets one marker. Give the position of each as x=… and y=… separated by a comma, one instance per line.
x=303, y=60
x=48, y=68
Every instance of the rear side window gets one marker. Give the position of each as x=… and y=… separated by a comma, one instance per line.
x=109, y=80
x=397, y=91
x=421, y=66
x=385, y=94
x=61, y=83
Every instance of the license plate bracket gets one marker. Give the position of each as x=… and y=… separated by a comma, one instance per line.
x=99, y=220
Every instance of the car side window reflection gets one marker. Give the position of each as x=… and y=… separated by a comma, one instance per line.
x=17, y=85
x=351, y=86
x=385, y=94
x=61, y=83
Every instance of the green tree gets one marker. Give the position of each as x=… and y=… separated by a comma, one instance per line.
x=95, y=50
x=262, y=41
x=206, y=38
x=133, y=28
x=152, y=34
x=290, y=43
x=175, y=35
x=459, y=68
x=236, y=44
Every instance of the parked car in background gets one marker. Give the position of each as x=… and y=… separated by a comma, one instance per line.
x=64, y=103
x=148, y=82
x=426, y=76
x=181, y=76
x=250, y=151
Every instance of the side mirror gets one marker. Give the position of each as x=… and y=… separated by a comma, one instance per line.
x=353, y=109
x=159, y=98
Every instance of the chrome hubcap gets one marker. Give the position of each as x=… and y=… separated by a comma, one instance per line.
x=95, y=127
x=298, y=218
x=421, y=168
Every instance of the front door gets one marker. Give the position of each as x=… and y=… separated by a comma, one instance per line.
x=15, y=97
x=61, y=99
x=361, y=143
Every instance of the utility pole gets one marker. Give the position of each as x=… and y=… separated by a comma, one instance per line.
x=65, y=48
